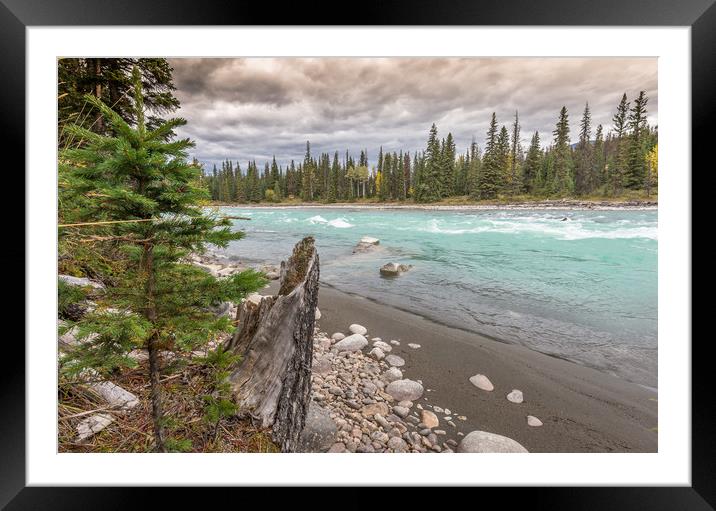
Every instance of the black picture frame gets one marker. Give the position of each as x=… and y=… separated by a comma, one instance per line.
x=700, y=15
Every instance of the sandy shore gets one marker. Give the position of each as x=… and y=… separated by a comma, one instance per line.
x=582, y=409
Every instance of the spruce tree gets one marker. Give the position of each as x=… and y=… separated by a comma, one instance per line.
x=620, y=162
x=532, y=166
x=636, y=169
x=144, y=182
x=562, y=158
x=489, y=183
x=515, y=155
x=584, y=156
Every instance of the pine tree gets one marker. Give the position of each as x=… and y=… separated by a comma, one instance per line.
x=532, y=166
x=584, y=156
x=620, y=163
x=635, y=170
x=599, y=177
x=136, y=177
x=562, y=158
x=503, y=158
x=515, y=178
x=489, y=182
x=429, y=189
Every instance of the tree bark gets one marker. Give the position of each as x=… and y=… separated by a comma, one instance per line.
x=272, y=382
x=155, y=389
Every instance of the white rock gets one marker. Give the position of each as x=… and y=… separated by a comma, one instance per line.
x=395, y=343
x=393, y=374
x=318, y=314
x=482, y=382
x=413, y=345
x=515, y=396
x=482, y=441
x=80, y=281
x=404, y=390
x=338, y=336
x=438, y=409
x=93, y=425
x=395, y=361
x=447, y=412
x=377, y=354
x=369, y=240
x=353, y=342
x=384, y=346
x=358, y=329
x=533, y=421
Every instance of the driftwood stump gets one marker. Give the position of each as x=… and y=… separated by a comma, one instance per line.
x=272, y=382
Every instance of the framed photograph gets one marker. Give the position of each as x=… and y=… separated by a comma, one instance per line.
x=267, y=249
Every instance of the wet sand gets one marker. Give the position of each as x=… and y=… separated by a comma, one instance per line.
x=583, y=410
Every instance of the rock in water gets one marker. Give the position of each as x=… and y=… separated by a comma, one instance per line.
x=482, y=382
x=353, y=342
x=404, y=390
x=395, y=361
x=482, y=441
x=358, y=329
x=533, y=421
x=365, y=244
x=394, y=269
x=429, y=419
x=319, y=432
x=515, y=396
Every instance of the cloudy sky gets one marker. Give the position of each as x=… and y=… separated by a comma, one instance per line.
x=253, y=108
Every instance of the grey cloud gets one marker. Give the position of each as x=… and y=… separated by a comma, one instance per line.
x=253, y=108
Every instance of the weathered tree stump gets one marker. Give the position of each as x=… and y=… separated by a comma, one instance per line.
x=272, y=382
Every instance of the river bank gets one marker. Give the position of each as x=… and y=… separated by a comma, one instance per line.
x=547, y=205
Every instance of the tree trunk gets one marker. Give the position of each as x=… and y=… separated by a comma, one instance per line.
x=98, y=92
x=155, y=389
x=272, y=382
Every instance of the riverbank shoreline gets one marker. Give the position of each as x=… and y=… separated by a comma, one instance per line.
x=568, y=205
x=582, y=409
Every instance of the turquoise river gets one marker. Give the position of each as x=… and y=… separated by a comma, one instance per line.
x=580, y=285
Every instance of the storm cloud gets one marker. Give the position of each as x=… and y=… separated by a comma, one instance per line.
x=253, y=108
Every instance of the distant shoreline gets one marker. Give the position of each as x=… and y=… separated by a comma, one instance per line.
x=539, y=205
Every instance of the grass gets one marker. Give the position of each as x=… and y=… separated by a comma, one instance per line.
x=185, y=382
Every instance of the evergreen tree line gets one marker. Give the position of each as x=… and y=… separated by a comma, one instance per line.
x=598, y=164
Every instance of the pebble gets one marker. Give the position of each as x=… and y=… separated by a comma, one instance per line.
x=358, y=329
x=413, y=345
x=338, y=337
x=395, y=343
x=515, y=396
x=461, y=418
x=482, y=382
x=397, y=444
x=448, y=418
x=533, y=421
x=429, y=419
x=377, y=354
x=404, y=390
x=406, y=404
x=392, y=374
x=447, y=412
x=395, y=361
x=438, y=409
x=383, y=346
x=401, y=411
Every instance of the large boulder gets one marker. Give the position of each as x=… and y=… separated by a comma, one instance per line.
x=404, y=390
x=394, y=269
x=319, y=432
x=482, y=441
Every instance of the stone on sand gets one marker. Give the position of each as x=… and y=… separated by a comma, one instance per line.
x=533, y=421
x=353, y=342
x=395, y=361
x=404, y=390
x=482, y=382
x=358, y=329
x=482, y=441
x=515, y=396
